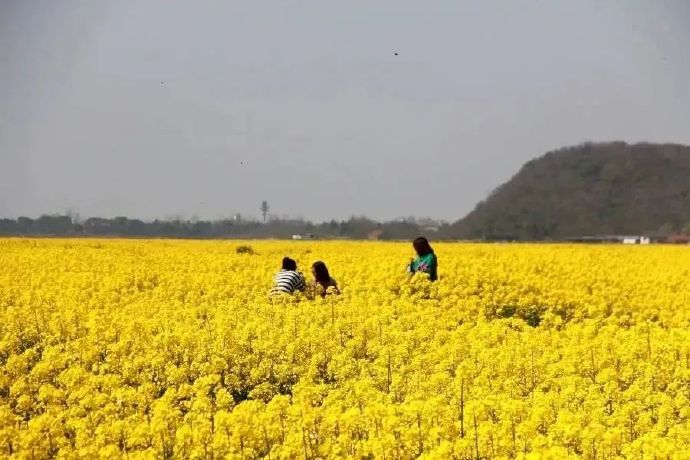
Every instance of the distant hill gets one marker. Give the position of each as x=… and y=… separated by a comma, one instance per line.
x=590, y=189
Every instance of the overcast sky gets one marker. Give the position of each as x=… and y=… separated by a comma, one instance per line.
x=158, y=108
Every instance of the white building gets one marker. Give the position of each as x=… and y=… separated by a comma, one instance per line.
x=636, y=240
x=308, y=236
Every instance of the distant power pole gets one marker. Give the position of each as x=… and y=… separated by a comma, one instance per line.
x=264, y=209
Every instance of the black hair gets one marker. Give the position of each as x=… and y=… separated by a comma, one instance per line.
x=321, y=272
x=289, y=264
x=422, y=246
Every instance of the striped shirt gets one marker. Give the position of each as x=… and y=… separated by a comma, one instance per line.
x=287, y=282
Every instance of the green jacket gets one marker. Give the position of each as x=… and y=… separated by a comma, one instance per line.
x=425, y=264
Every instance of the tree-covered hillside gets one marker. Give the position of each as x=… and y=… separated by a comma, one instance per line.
x=590, y=189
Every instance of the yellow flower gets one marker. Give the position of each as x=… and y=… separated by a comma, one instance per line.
x=150, y=349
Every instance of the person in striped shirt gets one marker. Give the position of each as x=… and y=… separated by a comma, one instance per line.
x=288, y=280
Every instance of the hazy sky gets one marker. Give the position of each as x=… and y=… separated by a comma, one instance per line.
x=161, y=108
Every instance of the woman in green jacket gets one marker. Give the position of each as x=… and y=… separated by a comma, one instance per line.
x=425, y=261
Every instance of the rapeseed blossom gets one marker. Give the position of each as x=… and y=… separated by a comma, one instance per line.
x=172, y=349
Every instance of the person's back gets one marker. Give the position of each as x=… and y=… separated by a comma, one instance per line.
x=288, y=280
x=322, y=281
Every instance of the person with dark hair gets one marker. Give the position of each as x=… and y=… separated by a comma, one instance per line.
x=322, y=280
x=288, y=280
x=426, y=261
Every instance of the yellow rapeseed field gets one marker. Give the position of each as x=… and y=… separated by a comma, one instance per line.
x=172, y=349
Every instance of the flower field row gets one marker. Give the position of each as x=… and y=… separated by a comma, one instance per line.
x=172, y=349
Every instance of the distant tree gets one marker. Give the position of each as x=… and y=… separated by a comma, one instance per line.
x=358, y=227
x=403, y=229
x=53, y=225
x=666, y=229
x=264, y=209
x=25, y=225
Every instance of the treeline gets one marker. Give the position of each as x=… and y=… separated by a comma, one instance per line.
x=355, y=228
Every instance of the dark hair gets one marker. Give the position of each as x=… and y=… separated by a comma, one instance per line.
x=422, y=246
x=321, y=272
x=289, y=264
